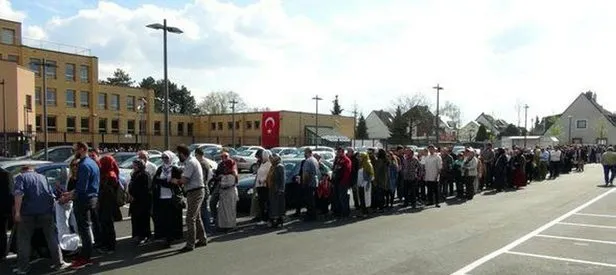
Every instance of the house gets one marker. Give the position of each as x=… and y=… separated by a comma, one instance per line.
x=468, y=132
x=377, y=123
x=585, y=121
x=495, y=126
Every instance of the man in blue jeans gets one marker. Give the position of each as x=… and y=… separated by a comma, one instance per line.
x=85, y=197
x=608, y=159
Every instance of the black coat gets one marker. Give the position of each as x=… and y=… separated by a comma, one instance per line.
x=6, y=193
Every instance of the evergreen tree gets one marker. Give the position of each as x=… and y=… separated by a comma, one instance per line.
x=511, y=131
x=361, y=131
x=482, y=134
x=397, y=130
x=337, y=109
x=119, y=78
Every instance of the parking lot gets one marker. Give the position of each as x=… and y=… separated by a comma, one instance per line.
x=582, y=241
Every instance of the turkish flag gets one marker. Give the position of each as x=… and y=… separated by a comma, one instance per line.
x=270, y=129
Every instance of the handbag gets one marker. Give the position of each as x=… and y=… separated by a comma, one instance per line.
x=178, y=199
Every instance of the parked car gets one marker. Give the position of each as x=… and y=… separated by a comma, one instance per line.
x=245, y=186
x=318, y=149
x=194, y=146
x=215, y=153
x=55, y=173
x=55, y=154
x=120, y=157
x=246, y=160
x=14, y=166
x=251, y=148
x=285, y=151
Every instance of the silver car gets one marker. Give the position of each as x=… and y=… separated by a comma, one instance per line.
x=246, y=160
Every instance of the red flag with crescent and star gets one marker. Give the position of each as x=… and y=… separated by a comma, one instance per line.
x=270, y=129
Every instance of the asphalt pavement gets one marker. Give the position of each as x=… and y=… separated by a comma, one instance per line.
x=563, y=226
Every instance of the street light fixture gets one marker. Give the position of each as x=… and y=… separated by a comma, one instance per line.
x=165, y=28
x=316, y=99
x=438, y=89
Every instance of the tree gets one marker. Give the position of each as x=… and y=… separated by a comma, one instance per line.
x=181, y=100
x=398, y=126
x=601, y=129
x=482, y=134
x=453, y=111
x=119, y=78
x=406, y=102
x=420, y=121
x=219, y=103
x=337, y=110
x=511, y=131
x=556, y=130
x=361, y=132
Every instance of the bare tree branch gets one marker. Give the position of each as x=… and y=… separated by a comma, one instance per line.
x=406, y=102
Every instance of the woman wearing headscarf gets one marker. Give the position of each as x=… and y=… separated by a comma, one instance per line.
x=381, y=179
x=167, y=215
x=261, y=185
x=107, y=202
x=393, y=179
x=227, y=208
x=141, y=202
x=518, y=164
x=276, y=185
x=365, y=176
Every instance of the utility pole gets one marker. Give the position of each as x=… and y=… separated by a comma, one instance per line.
x=316, y=99
x=525, y=123
x=355, y=120
x=438, y=89
x=6, y=150
x=233, y=102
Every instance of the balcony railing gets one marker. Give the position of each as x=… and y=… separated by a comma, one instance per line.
x=54, y=46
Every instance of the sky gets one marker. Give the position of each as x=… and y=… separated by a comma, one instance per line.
x=490, y=56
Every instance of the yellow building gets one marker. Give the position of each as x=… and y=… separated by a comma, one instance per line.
x=81, y=109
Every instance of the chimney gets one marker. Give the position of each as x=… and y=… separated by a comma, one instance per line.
x=594, y=97
x=589, y=95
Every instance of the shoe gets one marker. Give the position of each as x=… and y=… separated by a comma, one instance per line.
x=62, y=266
x=80, y=263
x=185, y=249
x=201, y=243
x=21, y=271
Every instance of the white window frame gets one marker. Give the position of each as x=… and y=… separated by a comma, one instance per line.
x=577, y=126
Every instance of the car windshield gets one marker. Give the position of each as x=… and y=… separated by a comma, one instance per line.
x=276, y=150
x=128, y=164
x=242, y=148
x=246, y=153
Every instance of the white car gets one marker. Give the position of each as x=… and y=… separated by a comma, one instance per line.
x=249, y=148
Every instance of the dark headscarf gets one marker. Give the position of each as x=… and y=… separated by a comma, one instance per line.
x=140, y=165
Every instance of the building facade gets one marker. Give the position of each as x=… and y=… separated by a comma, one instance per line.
x=81, y=109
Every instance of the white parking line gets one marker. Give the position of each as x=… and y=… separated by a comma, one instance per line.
x=526, y=237
x=587, y=225
x=595, y=215
x=559, y=258
x=575, y=239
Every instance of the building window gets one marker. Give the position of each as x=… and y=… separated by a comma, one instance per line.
x=102, y=101
x=130, y=103
x=142, y=126
x=102, y=125
x=51, y=124
x=84, y=73
x=130, y=127
x=248, y=124
x=180, y=128
x=37, y=95
x=8, y=36
x=157, y=128
x=229, y=125
x=70, y=99
x=35, y=66
x=189, y=129
x=115, y=126
x=237, y=125
x=257, y=124
x=51, y=97
x=169, y=128
x=213, y=126
x=85, y=125
x=69, y=73
x=581, y=124
x=70, y=124
x=115, y=102
x=37, y=123
x=84, y=99
x=29, y=102
x=219, y=126
x=51, y=69
x=13, y=58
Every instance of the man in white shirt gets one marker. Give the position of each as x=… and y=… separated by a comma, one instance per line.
x=433, y=165
x=555, y=159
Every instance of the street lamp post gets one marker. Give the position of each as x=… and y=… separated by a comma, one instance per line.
x=4, y=116
x=570, y=119
x=438, y=89
x=233, y=102
x=316, y=99
x=525, y=123
x=165, y=28
x=140, y=110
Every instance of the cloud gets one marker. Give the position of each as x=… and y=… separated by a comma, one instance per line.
x=7, y=12
x=487, y=54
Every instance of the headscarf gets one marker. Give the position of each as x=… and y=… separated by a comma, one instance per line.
x=140, y=164
x=228, y=166
x=365, y=164
x=167, y=166
x=275, y=159
x=265, y=156
x=109, y=168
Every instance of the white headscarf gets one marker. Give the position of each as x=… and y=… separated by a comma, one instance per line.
x=168, y=165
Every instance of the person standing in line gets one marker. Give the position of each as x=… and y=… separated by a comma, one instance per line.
x=432, y=166
x=150, y=167
x=192, y=180
x=342, y=183
x=34, y=208
x=276, y=183
x=309, y=181
x=350, y=153
x=488, y=157
x=410, y=165
x=555, y=159
x=470, y=172
x=608, y=159
x=167, y=213
x=381, y=180
x=261, y=186
x=205, y=206
x=85, y=197
x=6, y=207
x=227, y=211
x=141, y=203
x=446, y=178
x=108, y=203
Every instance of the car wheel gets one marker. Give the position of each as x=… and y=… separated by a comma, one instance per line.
x=253, y=168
